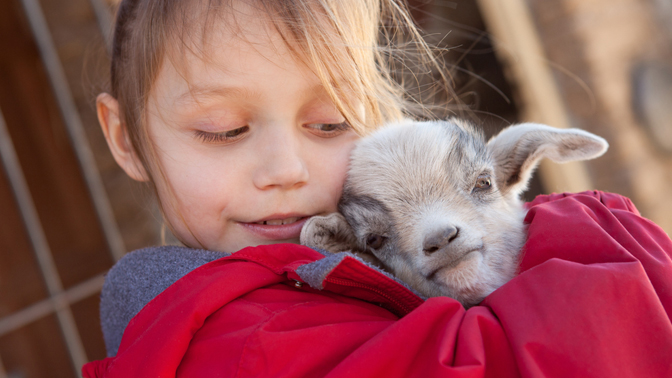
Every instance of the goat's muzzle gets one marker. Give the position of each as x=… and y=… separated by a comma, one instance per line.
x=439, y=239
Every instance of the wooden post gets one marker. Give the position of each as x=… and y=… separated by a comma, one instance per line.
x=519, y=49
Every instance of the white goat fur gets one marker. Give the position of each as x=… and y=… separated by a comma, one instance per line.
x=417, y=202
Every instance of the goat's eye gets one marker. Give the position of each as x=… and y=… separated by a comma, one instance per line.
x=483, y=182
x=374, y=241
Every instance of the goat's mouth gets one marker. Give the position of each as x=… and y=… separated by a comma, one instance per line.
x=450, y=264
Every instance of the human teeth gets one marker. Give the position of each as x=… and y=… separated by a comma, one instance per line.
x=278, y=222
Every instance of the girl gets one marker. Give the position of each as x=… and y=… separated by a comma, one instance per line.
x=241, y=115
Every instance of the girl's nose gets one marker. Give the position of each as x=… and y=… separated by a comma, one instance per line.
x=281, y=164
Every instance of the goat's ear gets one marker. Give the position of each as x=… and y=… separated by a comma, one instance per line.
x=518, y=149
x=331, y=233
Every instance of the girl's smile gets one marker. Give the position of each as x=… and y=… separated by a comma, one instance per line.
x=277, y=227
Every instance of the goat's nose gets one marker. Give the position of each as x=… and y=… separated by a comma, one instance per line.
x=439, y=239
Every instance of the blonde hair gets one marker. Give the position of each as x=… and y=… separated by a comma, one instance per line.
x=355, y=56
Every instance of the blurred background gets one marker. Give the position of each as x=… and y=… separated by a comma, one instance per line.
x=67, y=212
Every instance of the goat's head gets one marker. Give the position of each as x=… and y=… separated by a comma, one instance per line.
x=439, y=207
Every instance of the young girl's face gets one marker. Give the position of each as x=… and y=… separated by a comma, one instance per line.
x=249, y=143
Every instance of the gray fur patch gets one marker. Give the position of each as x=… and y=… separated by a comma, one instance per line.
x=355, y=207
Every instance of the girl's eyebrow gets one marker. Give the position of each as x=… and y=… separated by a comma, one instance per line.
x=197, y=94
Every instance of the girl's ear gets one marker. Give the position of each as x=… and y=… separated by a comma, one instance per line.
x=117, y=138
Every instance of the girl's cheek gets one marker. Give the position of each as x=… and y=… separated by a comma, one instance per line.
x=338, y=170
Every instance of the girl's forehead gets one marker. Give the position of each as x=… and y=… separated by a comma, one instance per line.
x=227, y=37
x=207, y=31
x=242, y=62
x=223, y=44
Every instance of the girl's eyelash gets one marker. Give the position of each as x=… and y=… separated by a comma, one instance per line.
x=226, y=136
x=322, y=129
x=332, y=128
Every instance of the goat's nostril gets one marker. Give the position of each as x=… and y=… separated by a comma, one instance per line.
x=454, y=234
x=439, y=239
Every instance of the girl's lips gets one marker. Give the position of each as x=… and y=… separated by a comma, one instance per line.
x=276, y=232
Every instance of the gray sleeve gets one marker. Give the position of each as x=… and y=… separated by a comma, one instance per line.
x=139, y=277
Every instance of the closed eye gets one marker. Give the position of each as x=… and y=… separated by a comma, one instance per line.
x=223, y=137
x=375, y=241
x=328, y=130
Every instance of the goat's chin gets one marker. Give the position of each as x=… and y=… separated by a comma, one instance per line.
x=473, y=279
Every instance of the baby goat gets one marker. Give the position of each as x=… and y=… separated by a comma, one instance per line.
x=440, y=208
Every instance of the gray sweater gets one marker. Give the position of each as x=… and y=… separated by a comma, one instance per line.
x=139, y=277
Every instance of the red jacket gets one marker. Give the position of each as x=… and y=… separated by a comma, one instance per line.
x=593, y=299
